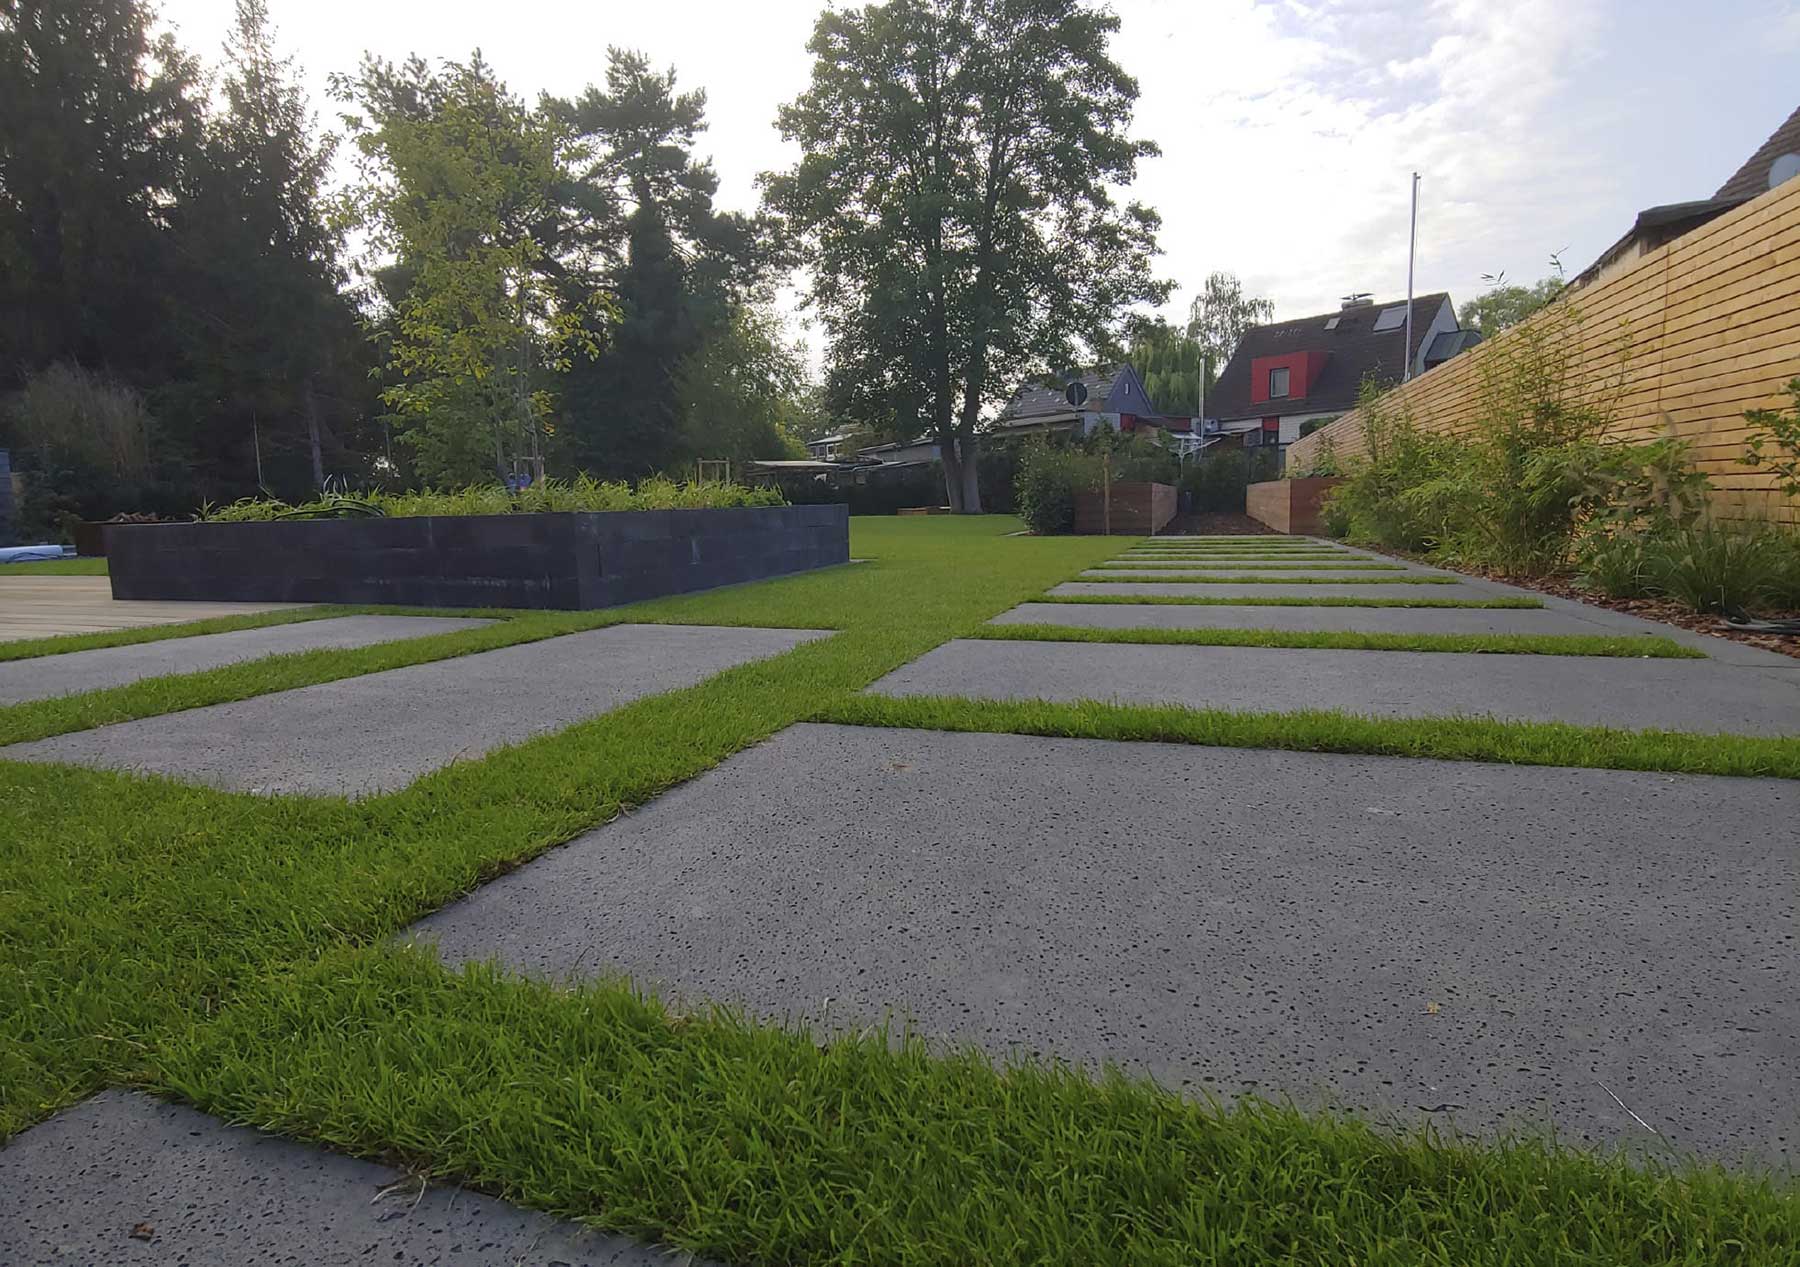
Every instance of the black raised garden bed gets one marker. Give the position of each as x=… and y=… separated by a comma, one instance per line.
x=573, y=561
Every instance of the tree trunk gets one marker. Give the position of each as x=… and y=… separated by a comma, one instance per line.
x=971, y=483
x=311, y=402
x=953, y=473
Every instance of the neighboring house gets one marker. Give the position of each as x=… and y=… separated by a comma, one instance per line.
x=894, y=453
x=1287, y=373
x=1116, y=399
x=1776, y=161
x=829, y=448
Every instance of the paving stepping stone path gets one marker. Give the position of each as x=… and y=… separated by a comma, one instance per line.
x=1225, y=919
x=123, y=1178
x=1608, y=954
x=44, y=677
x=376, y=733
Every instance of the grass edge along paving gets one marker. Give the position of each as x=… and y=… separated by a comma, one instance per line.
x=1483, y=739
x=1505, y=603
x=751, y=1142
x=1623, y=646
x=1251, y=578
x=157, y=930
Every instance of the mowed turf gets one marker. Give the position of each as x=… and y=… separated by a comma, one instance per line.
x=234, y=950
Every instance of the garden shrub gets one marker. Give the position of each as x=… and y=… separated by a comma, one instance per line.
x=580, y=493
x=1049, y=477
x=1378, y=502
x=1775, y=443
x=1715, y=567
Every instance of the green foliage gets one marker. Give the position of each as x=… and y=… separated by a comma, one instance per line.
x=692, y=365
x=580, y=493
x=456, y=178
x=1324, y=459
x=1715, y=567
x=1049, y=478
x=1219, y=315
x=957, y=205
x=1531, y=486
x=1613, y=565
x=1504, y=306
x=738, y=396
x=1775, y=444
x=1169, y=364
x=162, y=226
x=1376, y=504
x=1217, y=481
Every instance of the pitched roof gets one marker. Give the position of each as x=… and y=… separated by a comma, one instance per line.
x=1037, y=399
x=1753, y=177
x=1356, y=350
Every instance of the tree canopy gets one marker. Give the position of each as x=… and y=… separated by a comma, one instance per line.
x=957, y=206
x=1503, y=306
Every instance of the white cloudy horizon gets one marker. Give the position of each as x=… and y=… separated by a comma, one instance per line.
x=1289, y=128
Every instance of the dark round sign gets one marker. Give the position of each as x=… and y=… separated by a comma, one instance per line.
x=1076, y=393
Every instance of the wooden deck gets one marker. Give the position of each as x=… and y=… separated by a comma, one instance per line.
x=44, y=606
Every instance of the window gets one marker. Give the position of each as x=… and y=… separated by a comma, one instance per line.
x=1333, y=323
x=1252, y=439
x=1391, y=318
x=1278, y=383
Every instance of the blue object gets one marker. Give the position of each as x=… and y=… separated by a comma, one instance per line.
x=30, y=554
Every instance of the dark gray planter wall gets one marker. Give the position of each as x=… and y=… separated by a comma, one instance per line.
x=569, y=561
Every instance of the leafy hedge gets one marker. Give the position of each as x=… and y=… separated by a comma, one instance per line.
x=580, y=493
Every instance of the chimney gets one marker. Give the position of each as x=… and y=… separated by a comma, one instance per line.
x=1361, y=299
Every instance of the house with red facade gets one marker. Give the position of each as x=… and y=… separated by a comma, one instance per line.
x=1288, y=373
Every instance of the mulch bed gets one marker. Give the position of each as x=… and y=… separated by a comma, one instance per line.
x=1666, y=610
x=1216, y=523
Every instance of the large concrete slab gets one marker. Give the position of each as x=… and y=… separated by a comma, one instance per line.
x=1271, y=589
x=377, y=733
x=43, y=677
x=1485, y=943
x=123, y=1178
x=48, y=606
x=1697, y=695
x=1423, y=620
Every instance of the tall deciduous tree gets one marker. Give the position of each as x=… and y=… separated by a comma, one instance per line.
x=957, y=206
x=1218, y=317
x=462, y=184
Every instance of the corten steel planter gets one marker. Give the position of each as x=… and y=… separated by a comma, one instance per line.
x=1291, y=506
x=572, y=561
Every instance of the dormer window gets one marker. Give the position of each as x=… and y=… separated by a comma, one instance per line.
x=1278, y=383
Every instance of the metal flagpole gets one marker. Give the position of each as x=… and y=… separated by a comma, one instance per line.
x=1412, y=248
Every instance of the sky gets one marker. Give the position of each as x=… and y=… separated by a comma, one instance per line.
x=1289, y=128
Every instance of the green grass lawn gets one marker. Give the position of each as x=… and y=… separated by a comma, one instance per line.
x=55, y=567
x=235, y=951
x=1614, y=645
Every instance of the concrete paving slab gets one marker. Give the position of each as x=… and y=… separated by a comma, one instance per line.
x=366, y=735
x=44, y=677
x=1271, y=589
x=1696, y=695
x=123, y=1178
x=1422, y=620
x=1158, y=576
x=1223, y=919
